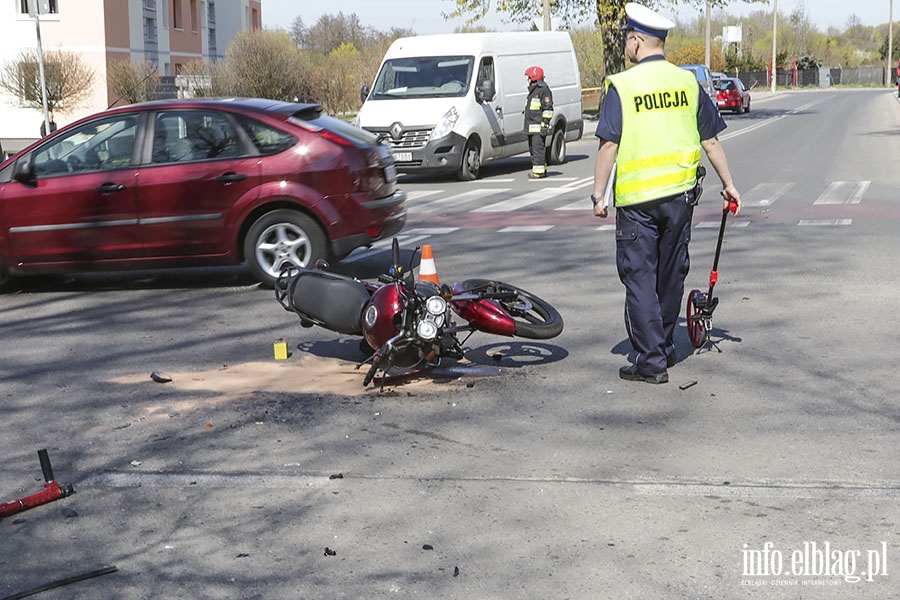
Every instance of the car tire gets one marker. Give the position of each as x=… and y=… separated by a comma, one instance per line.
x=282, y=238
x=556, y=150
x=4, y=276
x=470, y=161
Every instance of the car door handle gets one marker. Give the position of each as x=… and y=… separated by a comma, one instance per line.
x=110, y=188
x=231, y=177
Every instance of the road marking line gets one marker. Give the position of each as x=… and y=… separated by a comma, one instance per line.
x=525, y=229
x=823, y=222
x=419, y=194
x=455, y=199
x=202, y=480
x=765, y=194
x=522, y=201
x=717, y=224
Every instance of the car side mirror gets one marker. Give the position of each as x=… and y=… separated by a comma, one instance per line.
x=363, y=93
x=24, y=170
x=485, y=91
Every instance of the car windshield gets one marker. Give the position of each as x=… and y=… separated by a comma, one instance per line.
x=424, y=77
x=727, y=85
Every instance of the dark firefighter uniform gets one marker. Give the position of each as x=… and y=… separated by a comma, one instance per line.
x=657, y=113
x=538, y=115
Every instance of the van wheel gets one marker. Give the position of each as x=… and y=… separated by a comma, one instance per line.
x=471, y=161
x=556, y=151
x=282, y=238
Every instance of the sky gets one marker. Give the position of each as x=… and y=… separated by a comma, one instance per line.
x=424, y=16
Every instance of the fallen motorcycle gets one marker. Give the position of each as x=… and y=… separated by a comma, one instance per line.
x=407, y=322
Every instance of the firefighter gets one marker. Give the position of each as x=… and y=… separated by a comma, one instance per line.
x=538, y=114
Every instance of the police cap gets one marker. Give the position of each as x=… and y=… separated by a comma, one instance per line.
x=641, y=19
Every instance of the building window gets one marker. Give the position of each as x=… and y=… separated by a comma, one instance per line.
x=46, y=7
x=194, y=16
x=176, y=14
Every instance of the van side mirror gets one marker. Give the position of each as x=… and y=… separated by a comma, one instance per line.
x=24, y=171
x=485, y=91
x=363, y=93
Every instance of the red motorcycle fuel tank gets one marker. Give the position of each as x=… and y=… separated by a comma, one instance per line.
x=381, y=315
x=485, y=315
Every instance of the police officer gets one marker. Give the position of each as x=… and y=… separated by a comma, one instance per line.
x=538, y=114
x=654, y=121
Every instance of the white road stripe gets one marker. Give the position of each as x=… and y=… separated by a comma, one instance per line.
x=525, y=229
x=765, y=194
x=823, y=222
x=419, y=194
x=456, y=199
x=523, y=201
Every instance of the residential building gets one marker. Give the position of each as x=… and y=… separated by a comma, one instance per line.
x=168, y=33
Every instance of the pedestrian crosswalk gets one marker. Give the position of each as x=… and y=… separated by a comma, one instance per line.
x=564, y=203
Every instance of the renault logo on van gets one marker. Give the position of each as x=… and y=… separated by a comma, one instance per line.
x=396, y=131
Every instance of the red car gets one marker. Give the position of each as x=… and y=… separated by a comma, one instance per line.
x=733, y=95
x=197, y=182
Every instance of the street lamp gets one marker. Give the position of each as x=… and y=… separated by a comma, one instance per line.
x=707, y=33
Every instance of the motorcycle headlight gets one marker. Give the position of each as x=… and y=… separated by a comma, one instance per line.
x=445, y=125
x=427, y=330
x=371, y=316
x=436, y=306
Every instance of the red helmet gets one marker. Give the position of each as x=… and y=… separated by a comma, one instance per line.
x=534, y=73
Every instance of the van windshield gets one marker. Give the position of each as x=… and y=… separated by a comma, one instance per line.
x=424, y=77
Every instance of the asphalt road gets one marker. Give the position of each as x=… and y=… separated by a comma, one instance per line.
x=538, y=475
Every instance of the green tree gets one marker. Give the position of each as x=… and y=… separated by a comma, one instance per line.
x=69, y=80
x=263, y=64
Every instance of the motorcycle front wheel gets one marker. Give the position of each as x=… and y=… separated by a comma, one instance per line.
x=534, y=318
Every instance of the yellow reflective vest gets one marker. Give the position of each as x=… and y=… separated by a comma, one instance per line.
x=659, y=152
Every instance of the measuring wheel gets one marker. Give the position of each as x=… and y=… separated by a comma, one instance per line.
x=698, y=319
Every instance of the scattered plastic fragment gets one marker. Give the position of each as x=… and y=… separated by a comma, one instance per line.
x=427, y=547
x=336, y=476
x=330, y=552
x=159, y=377
x=687, y=384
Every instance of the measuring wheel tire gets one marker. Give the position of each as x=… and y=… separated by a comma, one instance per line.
x=696, y=327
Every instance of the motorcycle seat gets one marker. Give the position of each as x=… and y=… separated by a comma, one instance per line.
x=336, y=302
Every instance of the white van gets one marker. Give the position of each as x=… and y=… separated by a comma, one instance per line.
x=452, y=102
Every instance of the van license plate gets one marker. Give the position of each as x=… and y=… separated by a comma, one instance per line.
x=403, y=156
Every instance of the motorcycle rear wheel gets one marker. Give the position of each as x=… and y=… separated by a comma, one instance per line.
x=534, y=318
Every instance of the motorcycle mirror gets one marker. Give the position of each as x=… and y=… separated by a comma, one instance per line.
x=413, y=258
x=322, y=265
x=395, y=254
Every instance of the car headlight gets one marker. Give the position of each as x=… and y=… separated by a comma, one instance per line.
x=445, y=125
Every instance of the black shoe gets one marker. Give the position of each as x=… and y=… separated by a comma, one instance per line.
x=630, y=373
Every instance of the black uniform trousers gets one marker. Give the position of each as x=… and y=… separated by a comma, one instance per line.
x=652, y=260
x=538, y=147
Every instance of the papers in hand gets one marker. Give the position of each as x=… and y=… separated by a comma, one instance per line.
x=610, y=191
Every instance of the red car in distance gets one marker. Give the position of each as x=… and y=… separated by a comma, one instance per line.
x=193, y=183
x=733, y=95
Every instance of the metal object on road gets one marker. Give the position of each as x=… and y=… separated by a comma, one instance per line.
x=52, y=491
x=62, y=582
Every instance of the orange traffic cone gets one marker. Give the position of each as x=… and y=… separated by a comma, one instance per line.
x=427, y=270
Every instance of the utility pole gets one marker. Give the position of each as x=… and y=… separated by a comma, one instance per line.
x=34, y=10
x=707, y=34
x=890, y=56
x=774, y=36
x=546, y=15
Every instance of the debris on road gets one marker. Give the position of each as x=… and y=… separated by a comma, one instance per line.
x=159, y=377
